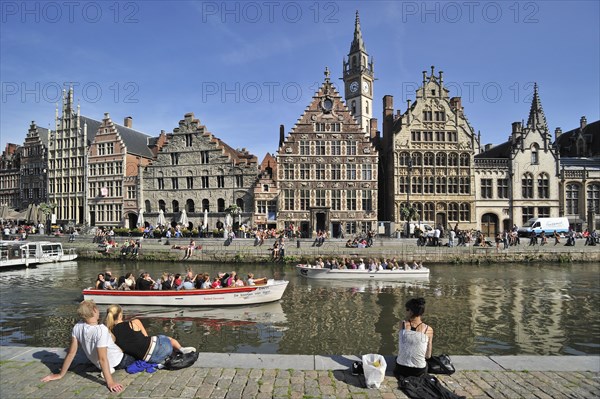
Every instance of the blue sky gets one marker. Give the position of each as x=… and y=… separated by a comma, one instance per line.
x=244, y=68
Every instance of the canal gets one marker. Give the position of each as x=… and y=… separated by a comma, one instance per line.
x=475, y=310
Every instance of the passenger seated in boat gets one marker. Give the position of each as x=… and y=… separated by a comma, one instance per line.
x=405, y=266
x=250, y=278
x=145, y=282
x=100, y=281
x=166, y=281
x=237, y=281
x=361, y=265
x=186, y=285
x=177, y=280
x=206, y=283
x=132, y=338
x=216, y=283
x=415, y=265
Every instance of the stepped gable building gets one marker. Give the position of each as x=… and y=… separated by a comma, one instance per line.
x=34, y=167
x=358, y=79
x=196, y=171
x=68, y=162
x=579, y=151
x=266, y=192
x=427, y=158
x=518, y=179
x=10, y=176
x=115, y=157
x=327, y=170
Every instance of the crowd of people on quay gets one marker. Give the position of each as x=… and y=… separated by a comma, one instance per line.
x=173, y=281
x=372, y=264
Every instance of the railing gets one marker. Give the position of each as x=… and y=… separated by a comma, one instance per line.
x=492, y=163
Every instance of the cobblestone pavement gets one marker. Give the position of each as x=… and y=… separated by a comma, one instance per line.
x=21, y=379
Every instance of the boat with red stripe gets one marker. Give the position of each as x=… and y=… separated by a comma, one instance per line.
x=231, y=296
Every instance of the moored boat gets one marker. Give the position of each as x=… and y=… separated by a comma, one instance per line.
x=29, y=253
x=251, y=294
x=355, y=274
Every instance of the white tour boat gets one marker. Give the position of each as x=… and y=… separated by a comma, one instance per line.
x=29, y=253
x=248, y=295
x=309, y=271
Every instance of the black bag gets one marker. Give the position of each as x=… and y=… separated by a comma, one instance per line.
x=179, y=360
x=426, y=387
x=440, y=365
x=357, y=368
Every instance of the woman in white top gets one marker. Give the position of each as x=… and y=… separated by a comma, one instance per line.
x=414, y=341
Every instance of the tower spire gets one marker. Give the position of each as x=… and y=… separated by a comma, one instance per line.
x=537, y=118
x=357, y=44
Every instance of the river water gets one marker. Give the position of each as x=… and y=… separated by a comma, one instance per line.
x=475, y=310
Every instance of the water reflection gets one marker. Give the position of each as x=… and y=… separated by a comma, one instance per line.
x=501, y=309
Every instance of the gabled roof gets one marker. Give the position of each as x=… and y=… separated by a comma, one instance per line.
x=566, y=143
x=500, y=151
x=136, y=142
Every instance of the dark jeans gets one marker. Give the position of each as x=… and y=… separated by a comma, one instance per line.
x=125, y=362
x=404, y=371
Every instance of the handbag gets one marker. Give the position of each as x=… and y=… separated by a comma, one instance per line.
x=441, y=364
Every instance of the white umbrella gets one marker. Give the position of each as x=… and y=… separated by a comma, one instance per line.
x=161, y=221
x=140, y=221
x=183, y=219
x=205, y=222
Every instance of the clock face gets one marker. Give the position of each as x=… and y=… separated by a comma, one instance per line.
x=327, y=104
x=365, y=87
x=354, y=86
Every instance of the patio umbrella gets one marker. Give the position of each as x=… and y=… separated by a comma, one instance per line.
x=140, y=221
x=183, y=219
x=29, y=215
x=161, y=221
x=205, y=222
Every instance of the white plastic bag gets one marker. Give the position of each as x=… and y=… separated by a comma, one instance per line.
x=374, y=367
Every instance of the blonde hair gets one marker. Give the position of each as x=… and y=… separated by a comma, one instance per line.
x=85, y=310
x=112, y=315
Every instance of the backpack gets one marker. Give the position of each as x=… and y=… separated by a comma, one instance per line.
x=440, y=365
x=179, y=360
x=426, y=387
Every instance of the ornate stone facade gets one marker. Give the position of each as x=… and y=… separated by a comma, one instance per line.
x=427, y=156
x=10, y=176
x=266, y=193
x=327, y=170
x=518, y=180
x=34, y=166
x=195, y=171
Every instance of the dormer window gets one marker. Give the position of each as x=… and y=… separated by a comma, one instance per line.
x=433, y=92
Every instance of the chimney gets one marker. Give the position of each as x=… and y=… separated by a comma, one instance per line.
x=582, y=122
x=281, y=135
x=388, y=105
x=557, y=133
x=516, y=127
x=488, y=147
x=128, y=122
x=373, y=127
x=456, y=104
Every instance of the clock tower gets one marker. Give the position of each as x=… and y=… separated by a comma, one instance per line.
x=358, y=80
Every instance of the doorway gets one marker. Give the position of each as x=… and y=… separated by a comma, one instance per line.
x=321, y=219
x=489, y=224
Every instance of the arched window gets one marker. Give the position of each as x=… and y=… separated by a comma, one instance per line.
x=417, y=159
x=464, y=160
x=403, y=158
x=205, y=205
x=440, y=159
x=453, y=159
x=189, y=206
x=429, y=212
x=465, y=212
x=572, y=199
x=440, y=185
x=353, y=107
x=148, y=206
x=240, y=204
x=220, y=205
x=175, y=206
x=428, y=159
x=535, y=158
x=527, y=185
x=162, y=205
x=417, y=185
x=543, y=185
x=453, y=212
x=593, y=197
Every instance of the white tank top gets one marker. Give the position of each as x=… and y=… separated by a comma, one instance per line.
x=412, y=347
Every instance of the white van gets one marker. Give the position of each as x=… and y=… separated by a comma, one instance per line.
x=548, y=225
x=425, y=228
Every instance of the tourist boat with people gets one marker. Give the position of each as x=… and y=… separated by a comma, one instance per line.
x=309, y=271
x=231, y=296
x=30, y=253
